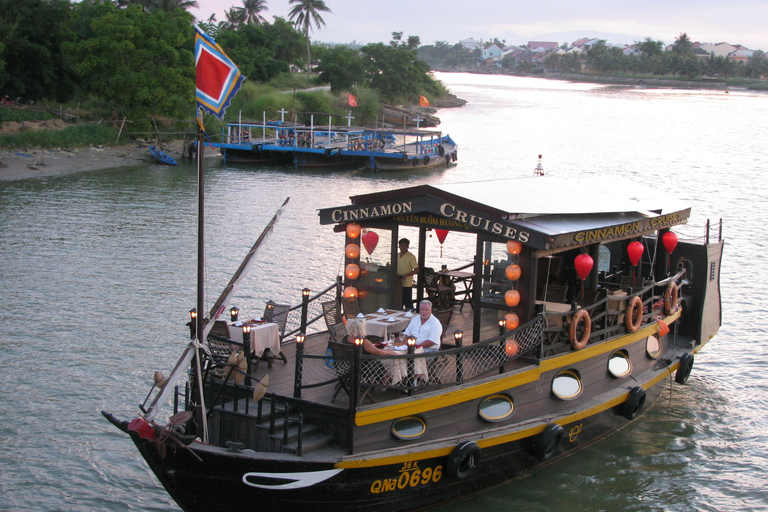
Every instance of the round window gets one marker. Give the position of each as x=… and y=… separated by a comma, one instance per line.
x=409, y=427
x=653, y=347
x=566, y=385
x=619, y=364
x=496, y=407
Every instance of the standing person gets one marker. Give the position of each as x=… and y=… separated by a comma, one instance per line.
x=407, y=267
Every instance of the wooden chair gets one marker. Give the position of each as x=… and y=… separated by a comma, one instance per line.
x=337, y=332
x=343, y=355
x=331, y=313
x=278, y=314
x=351, y=307
x=439, y=294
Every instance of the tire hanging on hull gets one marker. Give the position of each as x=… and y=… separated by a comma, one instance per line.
x=463, y=460
x=634, y=403
x=684, y=369
x=548, y=441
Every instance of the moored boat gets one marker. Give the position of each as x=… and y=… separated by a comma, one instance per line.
x=161, y=157
x=576, y=304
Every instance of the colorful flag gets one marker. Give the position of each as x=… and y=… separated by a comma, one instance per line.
x=424, y=102
x=218, y=78
x=352, y=101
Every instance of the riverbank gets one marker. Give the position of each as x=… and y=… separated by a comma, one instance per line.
x=18, y=165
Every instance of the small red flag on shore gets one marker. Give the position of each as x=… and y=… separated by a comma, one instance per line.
x=352, y=101
x=424, y=102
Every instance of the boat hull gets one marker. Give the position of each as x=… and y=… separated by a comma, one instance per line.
x=247, y=480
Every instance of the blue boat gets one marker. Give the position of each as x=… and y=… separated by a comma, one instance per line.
x=161, y=157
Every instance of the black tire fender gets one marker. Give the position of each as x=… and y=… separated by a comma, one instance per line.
x=548, y=441
x=463, y=460
x=634, y=403
x=684, y=369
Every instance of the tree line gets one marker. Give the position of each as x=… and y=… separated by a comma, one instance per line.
x=138, y=55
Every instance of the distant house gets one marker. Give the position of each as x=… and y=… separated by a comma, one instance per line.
x=542, y=46
x=585, y=42
x=740, y=56
x=492, y=52
x=719, y=49
x=471, y=44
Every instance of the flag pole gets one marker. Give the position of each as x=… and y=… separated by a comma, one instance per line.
x=201, y=321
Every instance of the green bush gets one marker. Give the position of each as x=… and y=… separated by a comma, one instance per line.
x=76, y=136
x=18, y=115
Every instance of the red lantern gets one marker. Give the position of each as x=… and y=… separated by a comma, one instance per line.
x=583, y=264
x=352, y=251
x=441, y=234
x=370, y=241
x=513, y=272
x=670, y=241
x=635, y=252
x=512, y=298
x=514, y=247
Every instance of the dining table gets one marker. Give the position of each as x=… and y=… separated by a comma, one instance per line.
x=264, y=335
x=398, y=367
x=385, y=322
x=465, y=279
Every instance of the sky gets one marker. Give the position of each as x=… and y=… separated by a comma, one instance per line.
x=519, y=21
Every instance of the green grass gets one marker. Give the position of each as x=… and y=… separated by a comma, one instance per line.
x=8, y=114
x=68, y=138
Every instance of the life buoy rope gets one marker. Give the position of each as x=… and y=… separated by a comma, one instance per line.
x=579, y=316
x=633, y=316
x=670, y=298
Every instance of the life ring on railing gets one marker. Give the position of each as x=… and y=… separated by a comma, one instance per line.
x=670, y=298
x=578, y=316
x=548, y=441
x=634, y=403
x=684, y=368
x=463, y=460
x=633, y=316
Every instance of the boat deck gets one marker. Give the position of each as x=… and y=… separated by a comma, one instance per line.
x=281, y=375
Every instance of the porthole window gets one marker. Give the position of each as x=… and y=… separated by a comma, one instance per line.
x=619, y=364
x=496, y=407
x=653, y=347
x=409, y=427
x=567, y=385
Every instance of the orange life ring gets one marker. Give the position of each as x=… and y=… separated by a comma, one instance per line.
x=670, y=299
x=578, y=316
x=633, y=316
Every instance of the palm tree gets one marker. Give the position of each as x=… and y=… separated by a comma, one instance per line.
x=251, y=11
x=305, y=12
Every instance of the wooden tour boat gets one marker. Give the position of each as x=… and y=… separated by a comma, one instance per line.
x=577, y=304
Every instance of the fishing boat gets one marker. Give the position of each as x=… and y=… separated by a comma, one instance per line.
x=161, y=157
x=579, y=300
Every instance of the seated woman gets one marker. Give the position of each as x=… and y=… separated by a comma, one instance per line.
x=356, y=329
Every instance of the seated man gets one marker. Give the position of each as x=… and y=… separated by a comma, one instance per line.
x=425, y=328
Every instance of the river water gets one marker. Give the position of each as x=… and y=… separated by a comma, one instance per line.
x=98, y=269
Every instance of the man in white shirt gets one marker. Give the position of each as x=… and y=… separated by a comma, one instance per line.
x=425, y=328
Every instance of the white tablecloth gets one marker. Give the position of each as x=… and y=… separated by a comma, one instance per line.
x=376, y=324
x=263, y=336
x=398, y=368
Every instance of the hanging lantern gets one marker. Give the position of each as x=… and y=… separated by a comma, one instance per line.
x=511, y=348
x=352, y=251
x=670, y=241
x=353, y=230
x=635, y=252
x=370, y=241
x=513, y=272
x=512, y=298
x=350, y=292
x=514, y=247
x=511, y=321
x=352, y=271
x=583, y=264
x=441, y=234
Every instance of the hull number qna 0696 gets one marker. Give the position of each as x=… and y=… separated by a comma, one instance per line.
x=410, y=476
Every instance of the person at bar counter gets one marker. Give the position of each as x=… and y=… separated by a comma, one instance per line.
x=407, y=267
x=425, y=328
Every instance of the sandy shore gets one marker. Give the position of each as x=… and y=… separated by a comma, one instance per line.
x=19, y=165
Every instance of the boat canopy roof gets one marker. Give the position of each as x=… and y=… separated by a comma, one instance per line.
x=547, y=213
